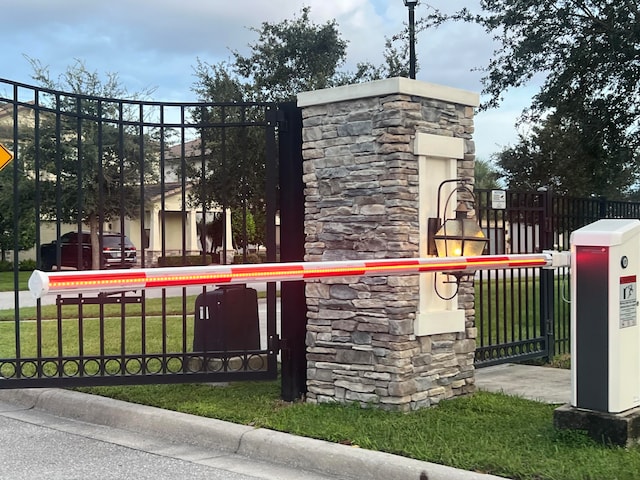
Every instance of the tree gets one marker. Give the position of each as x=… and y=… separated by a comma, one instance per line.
x=243, y=224
x=90, y=170
x=20, y=209
x=486, y=176
x=234, y=165
x=588, y=52
x=292, y=56
x=582, y=46
x=574, y=158
x=288, y=57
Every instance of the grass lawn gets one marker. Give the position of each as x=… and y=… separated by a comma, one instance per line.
x=7, y=281
x=485, y=432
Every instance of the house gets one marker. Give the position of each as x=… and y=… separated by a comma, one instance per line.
x=168, y=225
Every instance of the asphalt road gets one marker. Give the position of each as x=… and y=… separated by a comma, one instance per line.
x=37, y=445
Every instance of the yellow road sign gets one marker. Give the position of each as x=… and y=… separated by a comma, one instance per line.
x=5, y=156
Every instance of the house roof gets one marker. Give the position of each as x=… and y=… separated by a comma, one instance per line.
x=155, y=191
x=192, y=148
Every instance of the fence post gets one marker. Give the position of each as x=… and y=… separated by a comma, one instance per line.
x=547, y=300
x=293, y=305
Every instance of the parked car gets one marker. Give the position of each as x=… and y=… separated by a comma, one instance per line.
x=114, y=253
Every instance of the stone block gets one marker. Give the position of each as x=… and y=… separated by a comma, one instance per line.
x=310, y=134
x=364, y=398
x=424, y=383
x=422, y=359
x=356, y=386
x=354, y=357
x=344, y=325
x=404, y=281
x=335, y=314
x=464, y=346
x=401, y=389
x=361, y=338
x=401, y=327
x=310, y=339
x=342, y=292
x=382, y=376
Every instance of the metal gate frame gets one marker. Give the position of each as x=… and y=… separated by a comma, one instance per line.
x=524, y=314
x=44, y=123
x=510, y=319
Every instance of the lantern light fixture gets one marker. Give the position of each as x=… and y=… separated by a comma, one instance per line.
x=455, y=237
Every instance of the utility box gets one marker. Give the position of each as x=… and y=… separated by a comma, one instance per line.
x=605, y=335
x=226, y=319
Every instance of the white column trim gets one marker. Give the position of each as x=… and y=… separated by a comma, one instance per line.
x=437, y=161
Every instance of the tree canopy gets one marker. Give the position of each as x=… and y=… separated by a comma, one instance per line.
x=288, y=57
x=292, y=56
x=16, y=210
x=486, y=177
x=571, y=157
x=90, y=170
x=587, y=51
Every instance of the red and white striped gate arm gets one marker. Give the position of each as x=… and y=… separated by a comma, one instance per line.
x=55, y=283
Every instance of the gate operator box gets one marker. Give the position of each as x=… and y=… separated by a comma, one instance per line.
x=227, y=319
x=605, y=335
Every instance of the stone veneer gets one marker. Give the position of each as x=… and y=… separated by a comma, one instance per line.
x=361, y=202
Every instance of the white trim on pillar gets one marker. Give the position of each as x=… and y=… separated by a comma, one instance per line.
x=437, y=161
x=388, y=86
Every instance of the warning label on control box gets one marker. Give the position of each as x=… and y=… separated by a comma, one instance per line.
x=628, y=302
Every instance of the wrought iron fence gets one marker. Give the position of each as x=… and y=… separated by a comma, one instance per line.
x=524, y=314
x=184, y=183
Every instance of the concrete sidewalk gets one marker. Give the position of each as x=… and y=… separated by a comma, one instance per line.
x=262, y=445
x=543, y=384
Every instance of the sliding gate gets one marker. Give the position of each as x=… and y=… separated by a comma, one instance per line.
x=185, y=184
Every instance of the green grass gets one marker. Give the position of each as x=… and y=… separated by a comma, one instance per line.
x=93, y=342
x=7, y=281
x=485, y=432
x=508, y=311
x=154, y=307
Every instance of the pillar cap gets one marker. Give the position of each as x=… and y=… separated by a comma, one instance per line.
x=389, y=86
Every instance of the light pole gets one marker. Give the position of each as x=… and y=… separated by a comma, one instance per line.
x=411, y=4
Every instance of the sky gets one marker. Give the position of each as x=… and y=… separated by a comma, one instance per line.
x=157, y=43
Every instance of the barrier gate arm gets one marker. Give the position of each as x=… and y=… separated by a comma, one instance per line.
x=106, y=281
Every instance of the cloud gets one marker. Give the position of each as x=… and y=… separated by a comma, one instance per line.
x=157, y=42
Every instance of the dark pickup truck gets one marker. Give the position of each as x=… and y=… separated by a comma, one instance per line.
x=114, y=253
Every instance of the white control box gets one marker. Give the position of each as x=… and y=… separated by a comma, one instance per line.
x=605, y=335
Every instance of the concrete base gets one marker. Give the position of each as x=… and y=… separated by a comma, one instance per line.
x=622, y=429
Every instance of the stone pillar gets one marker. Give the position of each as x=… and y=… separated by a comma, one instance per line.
x=374, y=155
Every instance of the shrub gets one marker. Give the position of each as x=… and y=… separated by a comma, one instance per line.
x=27, y=265
x=251, y=258
x=6, y=266
x=180, y=261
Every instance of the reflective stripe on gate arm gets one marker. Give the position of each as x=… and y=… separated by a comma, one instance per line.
x=53, y=283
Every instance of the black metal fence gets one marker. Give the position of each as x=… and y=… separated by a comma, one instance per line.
x=525, y=313
x=184, y=183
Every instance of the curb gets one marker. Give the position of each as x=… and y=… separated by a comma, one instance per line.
x=260, y=444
